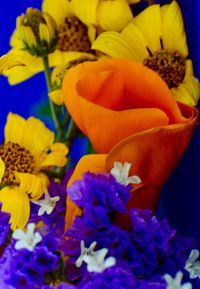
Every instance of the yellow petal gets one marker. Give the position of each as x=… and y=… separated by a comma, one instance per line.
x=15, y=39
x=16, y=203
x=59, y=9
x=37, y=137
x=2, y=168
x=187, y=92
x=57, y=96
x=35, y=185
x=189, y=68
x=113, y=44
x=14, y=129
x=57, y=159
x=50, y=24
x=18, y=74
x=85, y=10
x=136, y=41
x=31, y=134
x=173, y=33
x=121, y=14
x=27, y=36
x=44, y=32
x=92, y=33
x=60, y=57
x=60, y=147
x=18, y=65
x=149, y=22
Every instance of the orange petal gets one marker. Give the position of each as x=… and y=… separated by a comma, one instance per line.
x=119, y=98
x=153, y=154
x=92, y=163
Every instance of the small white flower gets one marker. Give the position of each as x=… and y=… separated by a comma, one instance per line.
x=121, y=174
x=27, y=240
x=95, y=260
x=175, y=283
x=193, y=266
x=47, y=204
x=85, y=252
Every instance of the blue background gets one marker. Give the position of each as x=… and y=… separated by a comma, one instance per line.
x=180, y=198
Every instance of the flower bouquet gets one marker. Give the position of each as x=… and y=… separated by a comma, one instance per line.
x=80, y=184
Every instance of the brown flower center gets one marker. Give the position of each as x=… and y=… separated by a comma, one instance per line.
x=16, y=159
x=73, y=36
x=170, y=66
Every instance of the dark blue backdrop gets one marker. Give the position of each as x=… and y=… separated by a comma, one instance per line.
x=180, y=200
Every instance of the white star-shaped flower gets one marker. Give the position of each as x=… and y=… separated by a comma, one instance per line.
x=95, y=260
x=121, y=173
x=175, y=283
x=85, y=252
x=47, y=204
x=27, y=240
x=193, y=266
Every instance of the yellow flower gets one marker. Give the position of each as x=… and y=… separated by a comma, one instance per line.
x=27, y=152
x=77, y=21
x=37, y=32
x=156, y=38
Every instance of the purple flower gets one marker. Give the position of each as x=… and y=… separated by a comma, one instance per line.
x=54, y=222
x=4, y=227
x=23, y=268
x=100, y=190
x=112, y=278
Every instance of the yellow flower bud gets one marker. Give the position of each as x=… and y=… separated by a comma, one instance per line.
x=37, y=31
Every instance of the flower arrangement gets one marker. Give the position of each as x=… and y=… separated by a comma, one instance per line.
x=122, y=86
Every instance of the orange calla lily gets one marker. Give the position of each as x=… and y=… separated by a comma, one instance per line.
x=128, y=113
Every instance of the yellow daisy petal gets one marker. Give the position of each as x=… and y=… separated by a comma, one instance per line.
x=35, y=185
x=15, y=40
x=113, y=44
x=173, y=33
x=57, y=157
x=2, y=168
x=188, y=91
x=31, y=134
x=44, y=33
x=136, y=41
x=14, y=129
x=37, y=137
x=57, y=96
x=85, y=10
x=92, y=33
x=121, y=14
x=18, y=74
x=59, y=9
x=60, y=147
x=189, y=68
x=149, y=22
x=16, y=203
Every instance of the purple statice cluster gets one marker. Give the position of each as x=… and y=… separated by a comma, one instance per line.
x=147, y=251
x=135, y=258
x=4, y=228
x=22, y=268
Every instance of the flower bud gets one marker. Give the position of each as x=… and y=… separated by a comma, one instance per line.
x=38, y=32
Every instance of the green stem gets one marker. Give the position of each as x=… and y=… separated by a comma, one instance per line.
x=51, y=104
x=70, y=132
